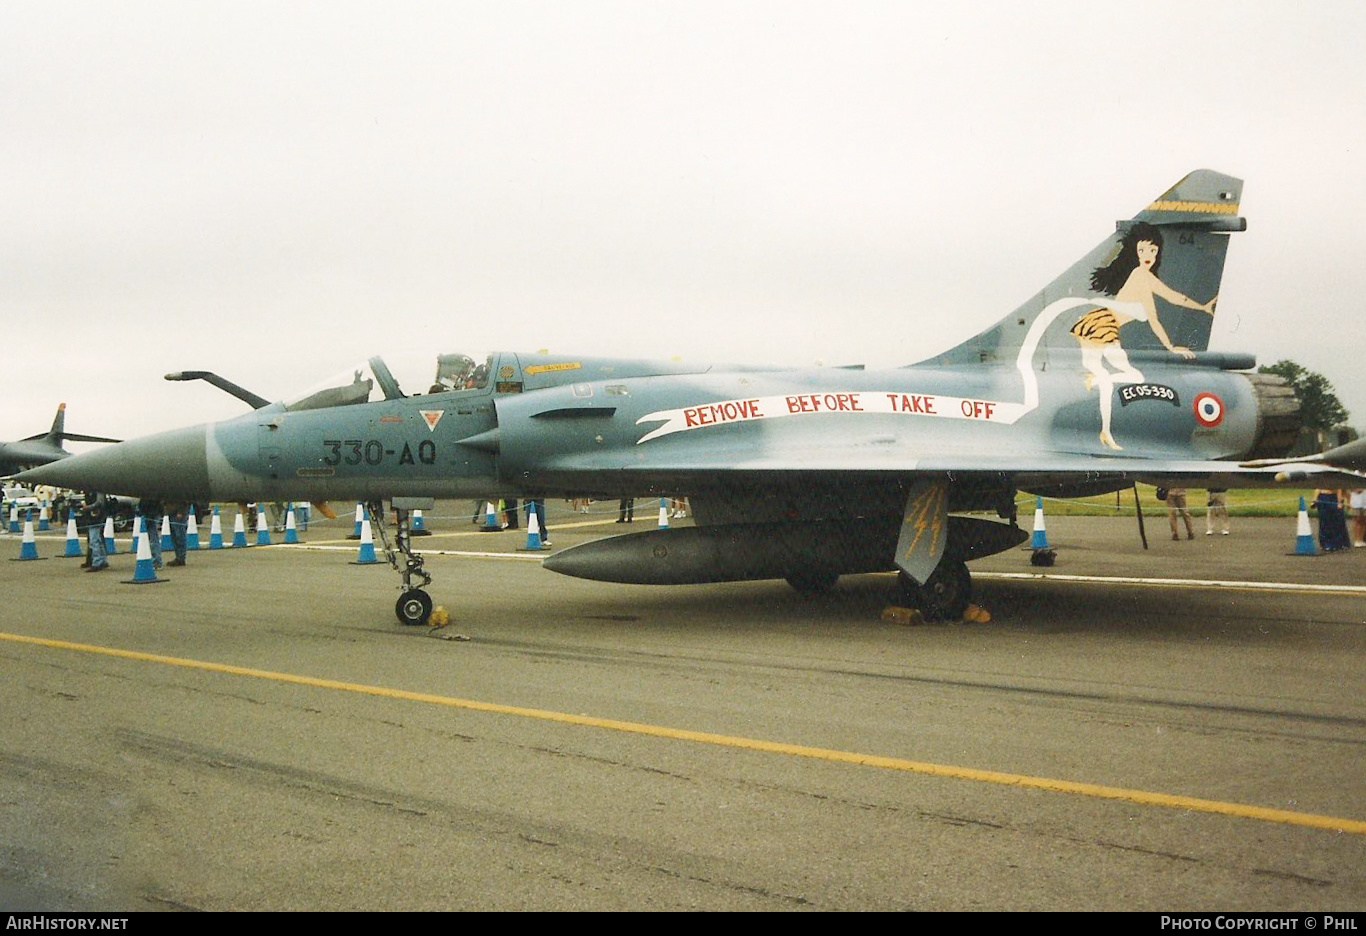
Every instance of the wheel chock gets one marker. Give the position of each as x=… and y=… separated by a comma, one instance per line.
x=907, y=617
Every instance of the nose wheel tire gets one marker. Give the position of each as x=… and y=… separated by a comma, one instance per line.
x=414, y=607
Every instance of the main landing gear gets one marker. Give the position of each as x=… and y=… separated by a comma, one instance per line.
x=945, y=594
x=414, y=606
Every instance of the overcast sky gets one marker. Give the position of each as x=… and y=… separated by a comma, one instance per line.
x=275, y=190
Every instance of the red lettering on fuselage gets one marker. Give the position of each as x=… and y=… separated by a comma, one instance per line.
x=978, y=409
x=824, y=403
x=731, y=411
x=912, y=403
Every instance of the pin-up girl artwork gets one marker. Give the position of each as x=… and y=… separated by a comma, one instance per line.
x=1129, y=284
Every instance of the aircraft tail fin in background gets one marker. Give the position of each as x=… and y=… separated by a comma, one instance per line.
x=54, y=435
x=57, y=432
x=1164, y=264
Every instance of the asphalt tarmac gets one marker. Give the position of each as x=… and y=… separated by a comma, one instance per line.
x=260, y=734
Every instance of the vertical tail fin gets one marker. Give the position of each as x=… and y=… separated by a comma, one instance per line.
x=58, y=430
x=58, y=434
x=1188, y=225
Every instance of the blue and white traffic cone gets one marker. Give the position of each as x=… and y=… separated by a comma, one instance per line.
x=110, y=546
x=360, y=518
x=144, y=572
x=1304, y=534
x=191, y=530
x=73, y=541
x=419, y=525
x=13, y=519
x=491, y=524
x=533, y=532
x=291, y=528
x=366, y=556
x=216, y=531
x=28, y=549
x=239, y=532
x=167, y=544
x=663, y=514
x=1040, y=540
x=137, y=532
x=44, y=523
x=262, y=526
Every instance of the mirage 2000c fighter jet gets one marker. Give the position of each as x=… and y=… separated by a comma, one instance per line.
x=42, y=449
x=1101, y=379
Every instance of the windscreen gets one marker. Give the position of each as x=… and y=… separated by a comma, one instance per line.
x=393, y=378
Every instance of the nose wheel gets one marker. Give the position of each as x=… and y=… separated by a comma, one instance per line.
x=414, y=607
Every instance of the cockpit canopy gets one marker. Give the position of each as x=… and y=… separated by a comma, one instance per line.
x=373, y=380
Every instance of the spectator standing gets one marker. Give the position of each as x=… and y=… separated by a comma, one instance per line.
x=93, y=514
x=1357, y=504
x=1217, y=510
x=1176, y=507
x=1332, y=521
x=180, y=522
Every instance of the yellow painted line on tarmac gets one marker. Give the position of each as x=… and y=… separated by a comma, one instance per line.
x=1019, y=781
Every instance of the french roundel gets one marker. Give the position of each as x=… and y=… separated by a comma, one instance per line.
x=1209, y=410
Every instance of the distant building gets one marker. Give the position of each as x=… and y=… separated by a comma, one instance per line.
x=1313, y=441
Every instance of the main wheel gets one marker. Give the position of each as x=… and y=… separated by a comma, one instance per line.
x=414, y=607
x=944, y=596
x=810, y=584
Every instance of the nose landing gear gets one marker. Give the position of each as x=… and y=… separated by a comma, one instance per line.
x=414, y=606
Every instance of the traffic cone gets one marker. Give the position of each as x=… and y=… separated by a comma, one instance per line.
x=491, y=524
x=291, y=528
x=144, y=572
x=137, y=532
x=191, y=530
x=110, y=546
x=28, y=549
x=239, y=532
x=1304, y=534
x=663, y=514
x=167, y=544
x=13, y=519
x=44, y=524
x=262, y=526
x=360, y=517
x=366, y=556
x=73, y=541
x=419, y=525
x=216, y=531
x=533, y=532
x=1040, y=540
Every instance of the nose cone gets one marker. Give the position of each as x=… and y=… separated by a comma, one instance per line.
x=170, y=465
